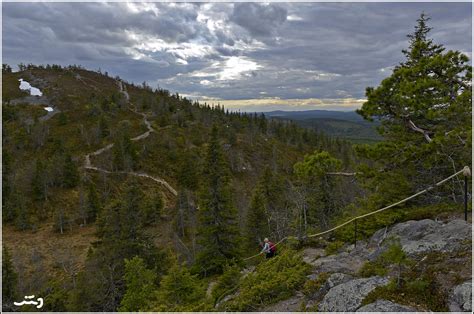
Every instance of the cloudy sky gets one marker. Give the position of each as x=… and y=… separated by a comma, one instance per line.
x=247, y=56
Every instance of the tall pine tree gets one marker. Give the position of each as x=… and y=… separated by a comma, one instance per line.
x=218, y=229
x=257, y=220
x=425, y=111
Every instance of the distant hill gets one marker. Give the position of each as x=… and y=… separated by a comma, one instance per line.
x=344, y=124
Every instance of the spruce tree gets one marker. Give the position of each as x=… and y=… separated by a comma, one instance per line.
x=140, y=286
x=257, y=221
x=39, y=183
x=321, y=188
x=92, y=203
x=124, y=152
x=217, y=230
x=9, y=282
x=70, y=172
x=179, y=291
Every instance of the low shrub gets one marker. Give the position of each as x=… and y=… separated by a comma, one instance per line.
x=419, y=292
x=333, y=247
x=226, y=283
x=273, y=280
x=312, y=286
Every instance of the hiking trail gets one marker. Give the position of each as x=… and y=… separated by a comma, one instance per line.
x=88, y=164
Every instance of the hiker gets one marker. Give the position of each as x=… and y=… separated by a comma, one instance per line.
x=269, y=248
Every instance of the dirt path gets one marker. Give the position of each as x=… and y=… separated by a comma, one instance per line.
x=88, y=163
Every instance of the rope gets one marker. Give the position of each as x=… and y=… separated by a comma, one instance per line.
x=465, y=171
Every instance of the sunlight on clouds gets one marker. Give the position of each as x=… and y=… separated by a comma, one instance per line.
x=232, y=68
x=137, y=7
x=235, y=67
x=180, y=51
x=294, y=18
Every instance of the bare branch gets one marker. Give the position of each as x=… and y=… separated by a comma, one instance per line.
x=347, y=174
x=425, y=133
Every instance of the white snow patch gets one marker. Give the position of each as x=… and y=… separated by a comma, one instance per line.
x=24, y=85
x=50, y=109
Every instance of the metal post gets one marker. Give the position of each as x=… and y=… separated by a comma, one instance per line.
x=355, y=233
x=465, y=198
x=467, y=173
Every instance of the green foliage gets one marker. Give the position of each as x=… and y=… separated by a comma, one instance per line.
x=312, y=286
x=152, y=209
x=140, y=285
x=367, y=226
x=373, y=268
x=93, y=205
x=425, y=111
x=257, y=221
x=9, y=282
x=180, y=291
x=104, y=129
x=273, y=280
x=188, y=171
x=218, y=230
x=125, y=154
x=56, y=295
x=39, y=183
x=317, y=165
x=318, y=189
x=100, y=287
x=423, y=292
x=70, y=172
x=333, y=247
x=226, y=283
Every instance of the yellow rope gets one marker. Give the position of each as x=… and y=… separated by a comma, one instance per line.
x=466, y=171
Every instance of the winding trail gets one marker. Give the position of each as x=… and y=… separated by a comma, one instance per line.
x=88, y=164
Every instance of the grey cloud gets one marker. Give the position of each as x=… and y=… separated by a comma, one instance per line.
x=353, y=40
x=259, y=20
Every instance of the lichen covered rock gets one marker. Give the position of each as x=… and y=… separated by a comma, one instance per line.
x=385, y=306
x=348, y=296
x=460, y=298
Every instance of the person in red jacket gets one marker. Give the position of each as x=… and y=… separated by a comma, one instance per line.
x=269, y=248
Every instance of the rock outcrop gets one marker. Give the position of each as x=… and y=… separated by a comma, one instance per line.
x=333, y=280
x=461, y=298
x=348, y=297
x=385, y=306
x=417, y=237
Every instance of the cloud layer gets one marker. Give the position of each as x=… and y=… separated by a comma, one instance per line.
x=278, y=56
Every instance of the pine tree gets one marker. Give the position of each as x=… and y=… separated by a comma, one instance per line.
x=217, y=230
x=92, y=203
x=179, y=291
x=39, y=181
x=9, y=282
x=104, y=130
x=323, y=195
x=188, y=171
x=124, y=152
x=7, y=191
x=425, y=111
x=140, y=286
x=70, y=172
x=152, y=209
x=257, y=220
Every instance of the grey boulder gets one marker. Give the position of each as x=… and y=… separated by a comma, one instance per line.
x=348, y=296
x=385, y=306
x=460, y=298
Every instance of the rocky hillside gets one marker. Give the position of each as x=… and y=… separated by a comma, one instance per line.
x=418, y=265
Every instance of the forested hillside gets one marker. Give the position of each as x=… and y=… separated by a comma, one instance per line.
x=346, y=125
x=56, y=186
x=121, y=197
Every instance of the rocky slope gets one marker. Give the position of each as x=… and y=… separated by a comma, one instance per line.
x=441, y=250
